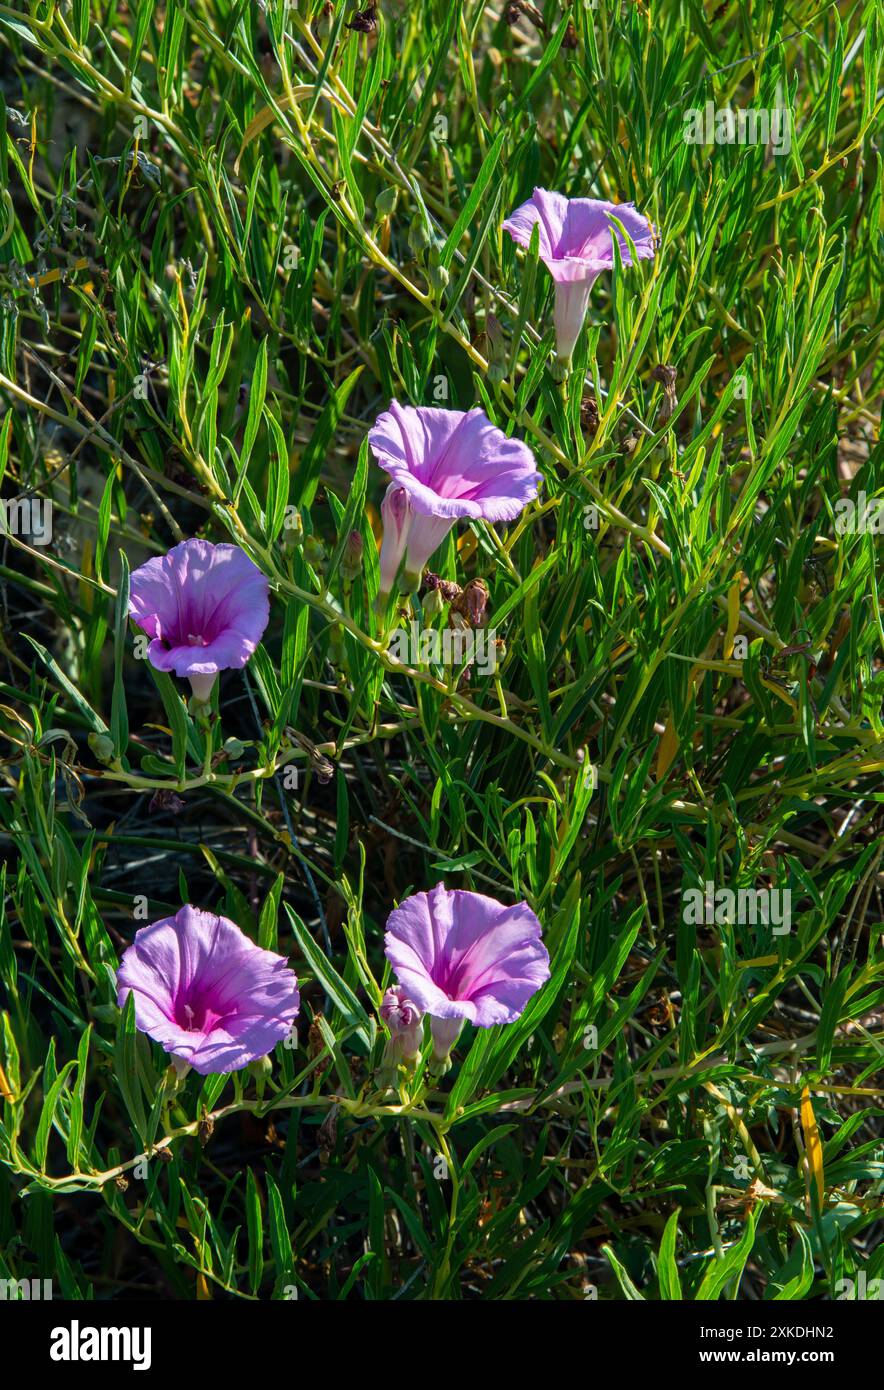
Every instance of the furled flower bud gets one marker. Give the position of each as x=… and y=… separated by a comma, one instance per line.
x=405, y=1023
x=433, y=604
x=315, y=552
x=396, y=513
x=385, y=202
x=419, y=235
x=445, y=1033
x=351, y=559
x=102, y=746
x=438, y=277
x=293, y=527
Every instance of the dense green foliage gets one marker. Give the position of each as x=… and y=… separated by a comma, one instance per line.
x=231, y=232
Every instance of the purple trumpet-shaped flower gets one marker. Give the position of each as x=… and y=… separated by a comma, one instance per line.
x=463, y=956
x=206, y=993
x=445, y=465
x=575, y=246
x=204, y=606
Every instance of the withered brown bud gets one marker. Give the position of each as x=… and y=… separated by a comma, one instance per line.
x=205, y=1129
x=589, y=413
x=365, y=21
x=472, y=603
x=570, y=39
x=446, y=587
x=316, y=1045
x=666, y=376
x=524, y=7
x=166, y=801
x=327, y=1137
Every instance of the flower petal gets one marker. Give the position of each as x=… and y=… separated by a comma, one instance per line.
x=549, y=210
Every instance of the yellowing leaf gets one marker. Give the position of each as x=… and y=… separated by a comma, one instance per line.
x=668, y=746
x=813, y=1148
x=467, y=545
x=5, y=1089
x=733, y=614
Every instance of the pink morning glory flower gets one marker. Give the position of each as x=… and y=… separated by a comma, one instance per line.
x=445, y=465
x=206, y=993
x=575, y=246
x=205, y=607
x=463, y=956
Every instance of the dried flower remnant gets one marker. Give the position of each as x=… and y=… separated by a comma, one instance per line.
x=570, y=39
x=365, y=21
x=470, y=602
x=516, y=8
x=666, y=376
x=589, y=414
x=434, y=583
x=164, y=800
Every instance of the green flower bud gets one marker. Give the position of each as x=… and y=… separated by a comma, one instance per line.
x=315, y=552
x=433, y=604
x=102, y=746
x=293, y=527
x=419, y=235
x=351, y=559
x=385, y=202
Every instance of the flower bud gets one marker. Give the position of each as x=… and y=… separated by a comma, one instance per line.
x=385, y=202
x=396, y=514
x=351, y=558
x=445, y=1033
x=261, y=1069
x=293, y=527
x=405, y=1023
x=438, y=277
x=419, y=235
x=433, y=604
x=315, y=552
x=102, y=746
